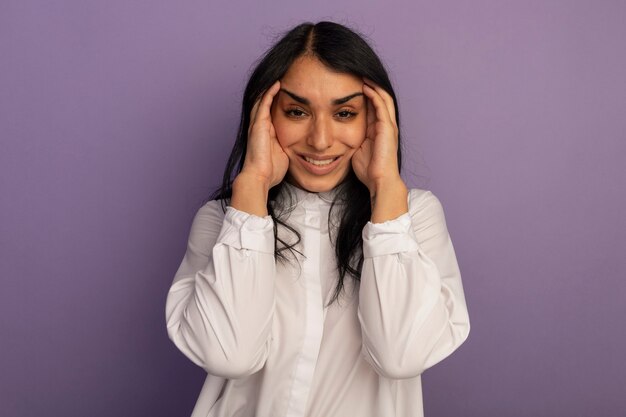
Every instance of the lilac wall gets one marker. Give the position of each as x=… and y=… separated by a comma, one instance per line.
x=115, y=119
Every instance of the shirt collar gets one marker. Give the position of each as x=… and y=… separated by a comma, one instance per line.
x=290, y=195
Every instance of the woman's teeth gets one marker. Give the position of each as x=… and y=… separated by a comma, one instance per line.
x=319, y=162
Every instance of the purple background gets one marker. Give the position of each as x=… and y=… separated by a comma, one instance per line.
x=115, y=121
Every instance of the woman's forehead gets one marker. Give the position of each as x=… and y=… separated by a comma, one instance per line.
x=310, y=79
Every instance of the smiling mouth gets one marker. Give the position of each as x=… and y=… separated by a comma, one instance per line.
x=319, y=162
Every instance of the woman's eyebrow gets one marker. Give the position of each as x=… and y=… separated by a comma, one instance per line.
x=296, y=97
x=307, y=101
x=346, y=98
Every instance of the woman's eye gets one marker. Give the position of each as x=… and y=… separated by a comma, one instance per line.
x=346, y=114
x=295, y=113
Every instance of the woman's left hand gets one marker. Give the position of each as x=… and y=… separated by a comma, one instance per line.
x=375, y=163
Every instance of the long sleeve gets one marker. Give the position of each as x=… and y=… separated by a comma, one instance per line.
x=220, y=306
x=412, y=307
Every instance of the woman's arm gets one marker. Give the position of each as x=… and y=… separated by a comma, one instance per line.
x=220, y=306
x=412, y=307
x=411, y=304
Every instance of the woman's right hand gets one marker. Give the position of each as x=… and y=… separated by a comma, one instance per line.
x=265, y=164
x=265, y=158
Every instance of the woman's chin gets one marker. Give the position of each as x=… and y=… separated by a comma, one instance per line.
x=320, y=184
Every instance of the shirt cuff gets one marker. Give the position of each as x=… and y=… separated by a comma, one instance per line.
x=242, y=230
x=392, y=236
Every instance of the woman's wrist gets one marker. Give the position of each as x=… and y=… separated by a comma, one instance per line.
x=250, y=194
x=389, y=200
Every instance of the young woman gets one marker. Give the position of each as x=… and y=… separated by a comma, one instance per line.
x=315, y=284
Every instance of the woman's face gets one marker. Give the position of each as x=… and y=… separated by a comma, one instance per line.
x=320, y=120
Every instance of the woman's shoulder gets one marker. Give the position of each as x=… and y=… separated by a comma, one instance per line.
x=425, y=205
x=420, y=197
x=210, y=215
x=213, y=207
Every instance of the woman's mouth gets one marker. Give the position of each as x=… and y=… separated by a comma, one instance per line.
x=320, y=166
x=319, y=162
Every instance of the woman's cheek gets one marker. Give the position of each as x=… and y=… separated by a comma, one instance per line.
x=283, y=137
x=286, y=135
x=354, y=137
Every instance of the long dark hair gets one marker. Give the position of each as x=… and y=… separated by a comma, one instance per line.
x=343, y=50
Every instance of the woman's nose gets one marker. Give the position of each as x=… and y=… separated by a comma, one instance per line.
x=320, y=136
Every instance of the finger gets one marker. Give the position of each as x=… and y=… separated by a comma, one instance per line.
x=265, y=106
x=380, y=107
x=254, y=110
x=371, y=112
x=260, y=102
x=371, y=119
x=389, y=102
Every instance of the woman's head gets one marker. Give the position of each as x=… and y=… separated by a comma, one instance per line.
x=340, y=51
x=343, y=57
x=320, y=119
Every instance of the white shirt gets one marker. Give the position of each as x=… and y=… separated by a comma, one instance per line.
x=271, y=347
